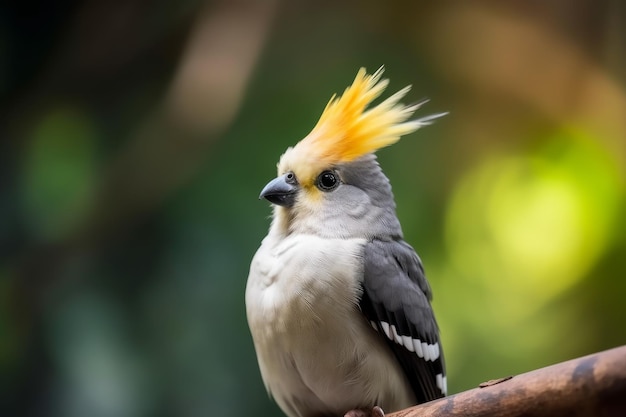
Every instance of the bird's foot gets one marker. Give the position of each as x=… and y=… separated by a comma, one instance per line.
x=360, y=412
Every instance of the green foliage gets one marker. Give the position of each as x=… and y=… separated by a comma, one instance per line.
x=59, y=173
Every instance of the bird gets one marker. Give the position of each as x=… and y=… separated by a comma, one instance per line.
x=337, y=302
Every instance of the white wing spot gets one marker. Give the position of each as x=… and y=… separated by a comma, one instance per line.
x=396, y=336
x=433, y=352
x=408, y=343
x=442, y=383
x=440, y=379
x=385, y=326
x=418, y=347
x=436, y=351
x=426, y=351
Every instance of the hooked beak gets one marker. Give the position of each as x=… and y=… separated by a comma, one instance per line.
x=280, y=191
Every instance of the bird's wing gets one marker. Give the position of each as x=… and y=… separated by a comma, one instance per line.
x=396, y=300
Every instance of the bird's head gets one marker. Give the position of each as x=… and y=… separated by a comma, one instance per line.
x=330, y=183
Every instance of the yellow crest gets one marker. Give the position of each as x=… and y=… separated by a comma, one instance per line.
x=348, y=129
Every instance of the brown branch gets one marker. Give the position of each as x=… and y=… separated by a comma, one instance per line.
x=593, y=385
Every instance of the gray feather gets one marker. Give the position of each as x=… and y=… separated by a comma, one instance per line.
x=397, y=294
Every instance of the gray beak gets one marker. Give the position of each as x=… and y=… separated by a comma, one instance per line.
x=280, y=191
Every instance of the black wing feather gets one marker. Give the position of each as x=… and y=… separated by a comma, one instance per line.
x=395, y=292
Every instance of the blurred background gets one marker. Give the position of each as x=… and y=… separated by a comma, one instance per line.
x=137, y=135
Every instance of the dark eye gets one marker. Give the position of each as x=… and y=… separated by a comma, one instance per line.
x=291, y=178
x=327, y=181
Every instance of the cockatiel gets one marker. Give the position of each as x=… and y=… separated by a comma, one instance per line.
x=337, y=302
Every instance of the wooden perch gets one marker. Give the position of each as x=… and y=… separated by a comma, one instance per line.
x=593, y=385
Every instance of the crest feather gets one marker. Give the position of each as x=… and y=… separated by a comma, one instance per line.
x=348, y=129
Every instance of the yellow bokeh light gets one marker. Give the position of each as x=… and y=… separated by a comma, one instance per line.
x=534, y=225
x=535, y=216
x=521, y=230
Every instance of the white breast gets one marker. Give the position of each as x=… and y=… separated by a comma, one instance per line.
x=316, y=351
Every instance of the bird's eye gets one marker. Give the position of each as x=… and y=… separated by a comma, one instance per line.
x=291, y=178
x=327, y=181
